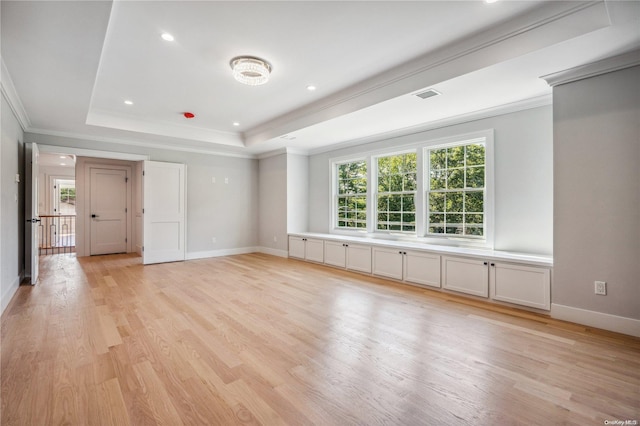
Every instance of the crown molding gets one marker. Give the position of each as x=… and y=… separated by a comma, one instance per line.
x=284, y=150
x=614, y=63
x=531, y=103
x=129, y=142
x=11, y=95
x=553, y=23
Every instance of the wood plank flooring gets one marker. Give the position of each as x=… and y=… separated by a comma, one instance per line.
x=254, y=339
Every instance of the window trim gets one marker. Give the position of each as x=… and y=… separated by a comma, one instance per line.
x=335, y=163
x=488, y=201
x=420, y=148
x=375, y=193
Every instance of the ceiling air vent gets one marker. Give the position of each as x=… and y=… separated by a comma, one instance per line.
x=428, y=93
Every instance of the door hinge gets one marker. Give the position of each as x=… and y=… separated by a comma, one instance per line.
x=142, y=248
x=143, y=173
x=126, y=179
x=142, y=211
x=125, y=210
x=126, y=240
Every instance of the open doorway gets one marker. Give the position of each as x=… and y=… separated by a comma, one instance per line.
x=56, y=203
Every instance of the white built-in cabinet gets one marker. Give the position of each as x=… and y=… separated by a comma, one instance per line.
x=520, y=284
x=514, y=283
x=356, y=257
x=306, y=248
x=407, y=265
x=501, y=276
x=465, y=275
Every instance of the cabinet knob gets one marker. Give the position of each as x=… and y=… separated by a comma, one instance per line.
x=400, y=252
x=404, y=252
x=493, y=264
x=486, y=263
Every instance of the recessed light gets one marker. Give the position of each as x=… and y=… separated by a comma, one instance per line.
x=490, y=1
x=128, y=102
x=311, y=88
x=62, y=164
x=167, y=37
x=63, y=156
x=235, y=123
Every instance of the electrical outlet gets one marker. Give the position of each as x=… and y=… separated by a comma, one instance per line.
x=214, y=240
x=601, y=288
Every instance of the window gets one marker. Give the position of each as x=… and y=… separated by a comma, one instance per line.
x=397, y=185
x=434, y=192
x=456, y=191
x=351, y=194
x=64, y=196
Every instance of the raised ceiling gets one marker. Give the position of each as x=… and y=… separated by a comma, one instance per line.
x=73, y=64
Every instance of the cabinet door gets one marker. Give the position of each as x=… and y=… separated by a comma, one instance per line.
x=387, y=262
x=422, y=268
x=359, y=258
x=465, y=275
x=335, y=254
x=524, y=285
x=314, y=250
x=296, y=247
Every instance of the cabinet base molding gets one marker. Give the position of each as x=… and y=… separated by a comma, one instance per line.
x=601, y=320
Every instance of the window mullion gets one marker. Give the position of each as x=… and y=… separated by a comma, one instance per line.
x=419, y=193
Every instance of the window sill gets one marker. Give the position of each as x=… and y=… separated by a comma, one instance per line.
x=361, y=237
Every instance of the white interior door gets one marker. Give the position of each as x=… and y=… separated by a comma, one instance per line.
x=32, y=243
x=164, y=204
x=108, y=211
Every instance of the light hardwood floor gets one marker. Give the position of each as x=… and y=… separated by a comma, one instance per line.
x=255, y=339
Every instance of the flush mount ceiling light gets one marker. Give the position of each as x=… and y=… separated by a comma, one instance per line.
x=250, y=70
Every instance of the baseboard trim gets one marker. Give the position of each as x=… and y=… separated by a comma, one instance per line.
x=273, y=252
x=609, y=322
x=217, y=253
x=10, y=292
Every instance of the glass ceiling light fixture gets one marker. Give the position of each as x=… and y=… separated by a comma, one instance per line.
x=250, y=70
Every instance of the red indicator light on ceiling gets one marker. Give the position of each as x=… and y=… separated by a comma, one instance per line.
x=189, y=115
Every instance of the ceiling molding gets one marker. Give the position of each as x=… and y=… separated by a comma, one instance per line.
x=285, y=150
x=11, y=95
x=615, y=63
x=120, y=122
x=80, y=152
x=130, y=142
x=553, y=23
x=536, y=102
x=274, y=153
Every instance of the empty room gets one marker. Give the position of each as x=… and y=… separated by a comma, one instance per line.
x=320, y=212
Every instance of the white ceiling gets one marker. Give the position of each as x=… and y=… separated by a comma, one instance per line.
x=73, y=64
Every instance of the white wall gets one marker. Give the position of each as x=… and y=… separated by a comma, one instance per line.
x=12, y=218
x=226, y=211
x=297, y=193
x=597, y=193
x=272, y=184
x=523, y=147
